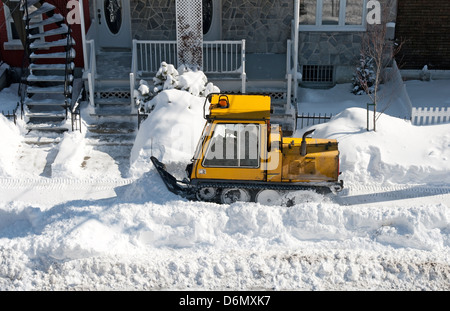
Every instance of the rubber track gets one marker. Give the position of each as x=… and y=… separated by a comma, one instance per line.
x=260, y=186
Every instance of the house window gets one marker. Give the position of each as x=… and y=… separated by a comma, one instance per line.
x=113, y=15
x=332, y=15
x=207, y=11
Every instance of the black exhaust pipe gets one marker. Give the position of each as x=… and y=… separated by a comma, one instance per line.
x=303, y=144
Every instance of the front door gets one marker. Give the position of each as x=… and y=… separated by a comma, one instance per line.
x=113, y=22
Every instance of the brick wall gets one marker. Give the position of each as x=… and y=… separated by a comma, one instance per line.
x=425, y=25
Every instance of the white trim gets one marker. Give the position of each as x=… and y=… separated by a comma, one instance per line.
x=83, y=35
x=319, y=14
x=330, y=28
x=295, y=65
x=11, y=44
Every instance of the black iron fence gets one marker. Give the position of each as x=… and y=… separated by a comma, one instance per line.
x=305, y=120
x=12, y=115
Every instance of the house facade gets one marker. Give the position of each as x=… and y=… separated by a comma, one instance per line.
x=11, y=46
x=329, y=30
x=262, y=46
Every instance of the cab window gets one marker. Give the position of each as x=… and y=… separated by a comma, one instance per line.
x=233, y=145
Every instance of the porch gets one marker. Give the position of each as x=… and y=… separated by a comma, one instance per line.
x=225, y=63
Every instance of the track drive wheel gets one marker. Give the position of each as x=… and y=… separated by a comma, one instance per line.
x=206, y=194
x=268, y=197
x=231, y=195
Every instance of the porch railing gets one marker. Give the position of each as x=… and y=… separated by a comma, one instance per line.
x=219, y=57
x=91, y=74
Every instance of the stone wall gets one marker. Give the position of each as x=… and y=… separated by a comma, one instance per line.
x=266, y=27
x=329, y=48
x=264, y=24
x=153, y=19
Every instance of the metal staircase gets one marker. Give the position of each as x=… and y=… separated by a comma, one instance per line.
x=48, y=68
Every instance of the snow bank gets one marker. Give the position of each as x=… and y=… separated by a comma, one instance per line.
x=139, y=236
x=67, y=163
x=398, y=152
x=203, y=246
x=170, y=132
x=10, y=139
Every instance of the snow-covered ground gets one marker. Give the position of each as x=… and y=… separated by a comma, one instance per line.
x=70, y=221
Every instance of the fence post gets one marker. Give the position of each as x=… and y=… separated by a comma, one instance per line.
x=370, y=104
x=244, y=74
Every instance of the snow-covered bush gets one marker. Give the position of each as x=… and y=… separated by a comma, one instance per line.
x=184, y=78
x=166, y=78
x=364, y=76
x=142, y=96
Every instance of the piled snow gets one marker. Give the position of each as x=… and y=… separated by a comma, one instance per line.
x=434, y=93
x=388, y=230
x=391, y=96
x=183, y=78
x=184, y=245
x=398, y=152
x=70, y=156
x=170, y=132
x=10, y=139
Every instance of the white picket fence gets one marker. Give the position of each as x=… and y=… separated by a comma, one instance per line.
x=430, y=115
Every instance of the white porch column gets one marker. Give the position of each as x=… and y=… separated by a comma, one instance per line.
x=295, y=69
x=83, y=35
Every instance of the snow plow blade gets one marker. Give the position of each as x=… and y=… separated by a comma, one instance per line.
x=172, y=184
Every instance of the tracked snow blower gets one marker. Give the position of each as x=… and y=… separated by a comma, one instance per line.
x=241, y=156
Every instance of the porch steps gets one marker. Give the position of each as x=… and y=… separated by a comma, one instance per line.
x=47, y=45
x=63, y=29
x=36, y=67
x=49, y=76
x=45, y=8
x=44, y=127
x=59, y=55
x=58, y=89
x=112, y=128
x=29, y=3
x=55, y=19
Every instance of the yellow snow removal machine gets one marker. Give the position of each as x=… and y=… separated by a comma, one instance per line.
x=241, y=156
